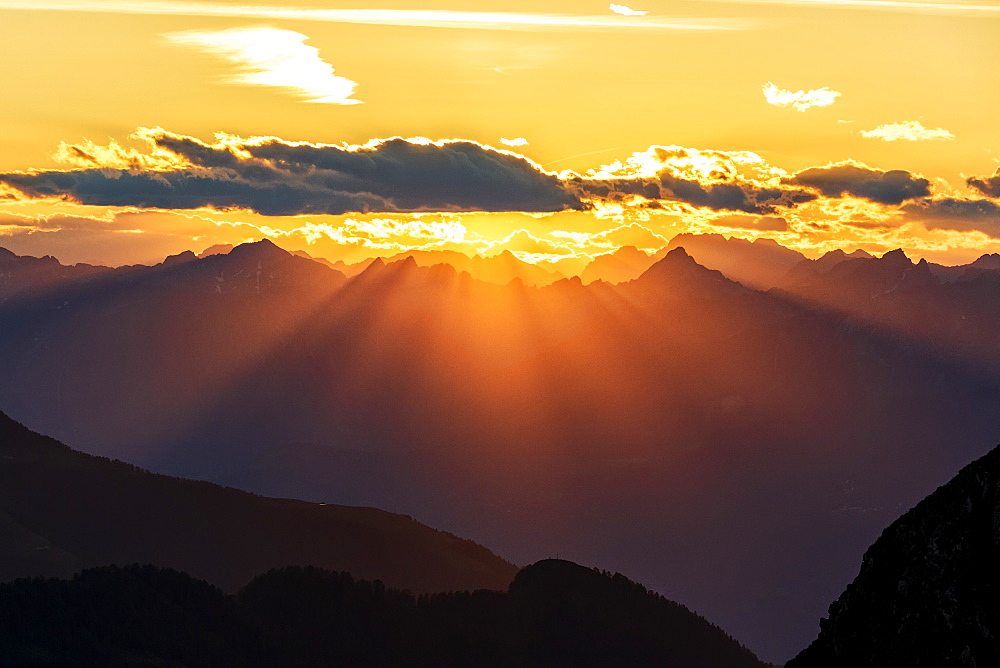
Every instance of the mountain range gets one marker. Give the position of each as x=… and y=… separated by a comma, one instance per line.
x=794, y=422
x=501, y=268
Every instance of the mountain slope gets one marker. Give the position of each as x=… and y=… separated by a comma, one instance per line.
x=928, y=593
x=62, y=510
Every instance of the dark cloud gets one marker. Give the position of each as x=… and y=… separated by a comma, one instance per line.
x=892, y=187
x=962, y=215
x=730, y=196
x=281, y=178
x=989, y=186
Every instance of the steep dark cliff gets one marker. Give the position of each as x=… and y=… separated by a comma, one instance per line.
x=928, y=593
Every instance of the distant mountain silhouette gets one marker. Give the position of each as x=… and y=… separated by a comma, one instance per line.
x=555, y=614
x=624, y=264
x=648, y=426
x=953, y=309
x=678, y=272
x=501, y=268
x=928, y=593
x=321, y=260
x=757, y=264
x=989, y=261
x=62, y=510
x=25, y=276
x=808, y=268
x=217, y=249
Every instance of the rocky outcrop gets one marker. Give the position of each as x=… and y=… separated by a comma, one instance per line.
x=928, y=593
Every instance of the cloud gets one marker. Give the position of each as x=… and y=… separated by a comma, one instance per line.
x=718, y=180
x=275, y=177
x=425, y=18
x=519, y=141
x=737, y=196
x=374, y=231
x=629, y=235
x=731, y=196
x=523, y=241
x=962, y=215
x=799, y=100
x=989, y=186
x=273, y=57
x=691, y=163
x=625, y=11
x=87, y=154
x=632, y=234
x=908, y=131
x=946, y=7
x=892, y=187
x=758, y=223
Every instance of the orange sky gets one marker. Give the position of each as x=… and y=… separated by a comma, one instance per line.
x=745, y=96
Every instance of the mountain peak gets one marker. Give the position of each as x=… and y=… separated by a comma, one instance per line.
x=624, y=264
x=375, y=266
x=630, y=251
x=768, y=242
x=860, y=253
x=217, y=249
x=677, y=265
x=896, y=257
x=265, y=249
x=507, y=257
x=675, y=258
x=678, y=254
x=180, y=258
x=407, y=262
x=987, y=261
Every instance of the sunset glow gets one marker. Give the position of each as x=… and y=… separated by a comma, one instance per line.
x=703, y=152
x=706, y=292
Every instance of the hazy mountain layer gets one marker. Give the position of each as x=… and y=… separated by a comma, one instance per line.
x=760, y=264
x=62, y=510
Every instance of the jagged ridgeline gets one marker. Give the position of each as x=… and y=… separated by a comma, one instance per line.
x=928, y=594
x=555, y=613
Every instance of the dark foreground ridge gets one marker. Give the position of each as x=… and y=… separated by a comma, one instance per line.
x=62, y=510
x=928, y=593
x=555, y=613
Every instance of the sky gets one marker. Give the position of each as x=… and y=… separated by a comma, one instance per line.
x=135, y=129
